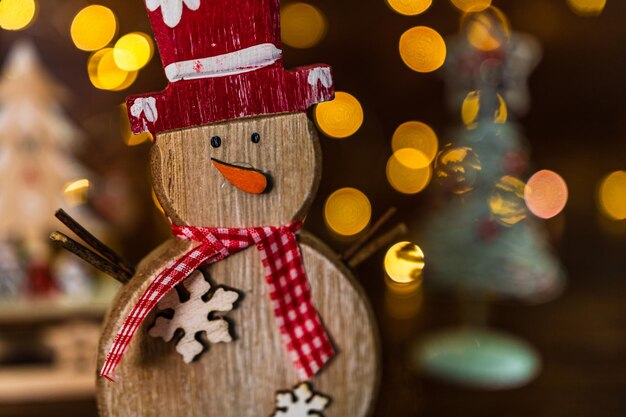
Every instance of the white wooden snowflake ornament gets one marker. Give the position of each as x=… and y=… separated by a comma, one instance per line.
x=193, y=316
x=302, y=401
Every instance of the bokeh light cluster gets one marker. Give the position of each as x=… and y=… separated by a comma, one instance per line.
x=470, y=110
x=110, y=67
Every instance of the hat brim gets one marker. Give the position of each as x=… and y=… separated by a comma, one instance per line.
x=197, y=102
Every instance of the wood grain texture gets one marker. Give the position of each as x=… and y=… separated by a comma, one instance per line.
x=194, y=193
x=241, y=378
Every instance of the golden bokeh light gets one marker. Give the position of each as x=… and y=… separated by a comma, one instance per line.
x=419, y=136
x=546, y=194
x=17, y=14
x=471, y=5
x=341, y=117
x=104, y=73
x=93, y=28
x=406, y=171
x=587, y=7
x=506, y=201
x=302, y=25
x=457, y=169
x=410, y=7
x=76, y=192
x=347, y=211
x=486, y=30
x=612, y=195
x=404, y=263
x=128, y=136
x=133, y=51
x=471, y=109
x=422, y=49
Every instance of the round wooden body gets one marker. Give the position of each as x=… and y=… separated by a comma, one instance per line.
x=241, y=378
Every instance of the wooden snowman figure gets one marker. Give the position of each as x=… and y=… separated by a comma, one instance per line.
x=235, y=315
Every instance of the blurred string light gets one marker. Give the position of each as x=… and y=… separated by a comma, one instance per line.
x=302, y=25
x=406, y=171
x=422, y=49
x=419, y=136
x=471, y=109
x=128, y=136
x=457, y=169
x=612, y=195
x=341, y=117
x=471, y=5
x=486, y=30
x=17, y=14
x=506, y=201
x=133, y=51
x=546, y=194
x=404, y=263
x=587, y=7
x=347, y=211
x=104, y=73
x=75, y=193
x=410, y=7
x=93, y=28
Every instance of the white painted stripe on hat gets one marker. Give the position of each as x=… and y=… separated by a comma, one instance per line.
x=238, y=62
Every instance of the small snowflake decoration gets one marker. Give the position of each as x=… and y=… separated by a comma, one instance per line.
x=301, y=402
x=172, y=10
x=193, y=316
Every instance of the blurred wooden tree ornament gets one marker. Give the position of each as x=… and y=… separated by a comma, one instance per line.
x=288, y=328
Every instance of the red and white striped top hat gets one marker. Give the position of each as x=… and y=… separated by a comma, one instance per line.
x=223, y=61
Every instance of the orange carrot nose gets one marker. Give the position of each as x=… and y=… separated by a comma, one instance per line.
x=245, y=179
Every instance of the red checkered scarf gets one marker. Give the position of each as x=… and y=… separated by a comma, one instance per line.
x=302, y=332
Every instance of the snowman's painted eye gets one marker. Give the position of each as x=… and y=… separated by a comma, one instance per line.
x=216, y=141
x=256, y=138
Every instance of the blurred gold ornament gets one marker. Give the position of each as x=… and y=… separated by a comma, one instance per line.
x=486, y=30
x=457, y=169
x=471, y=109
x=506, y=201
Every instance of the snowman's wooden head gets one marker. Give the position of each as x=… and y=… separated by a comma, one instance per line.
x=226, y=85
x=261, y=171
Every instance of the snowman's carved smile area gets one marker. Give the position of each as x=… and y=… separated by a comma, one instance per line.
x=249, y=180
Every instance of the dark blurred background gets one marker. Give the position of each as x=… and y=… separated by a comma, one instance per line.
x=576, y=127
